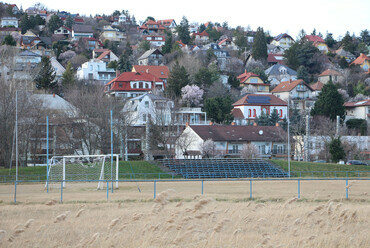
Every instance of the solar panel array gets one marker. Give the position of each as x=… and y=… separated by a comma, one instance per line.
x=259, y=99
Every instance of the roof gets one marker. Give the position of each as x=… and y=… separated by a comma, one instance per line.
x=275, y=58
x=245, y=76
x=148, y=53
x=158, y=71
x=360, y=59
x=314, y=38
x=28, y=53
x=281, y=36
x=239, y=133
x=105, y=53
x=357, y=104
x=52, y=102
x=275, y=70
x=317, y=86
x=260, y=99
x=135, y=76
x=78, y=28
x=288, y=86
x=330, y=72
x=151, y=96
x=237, y=113
x=166, y=22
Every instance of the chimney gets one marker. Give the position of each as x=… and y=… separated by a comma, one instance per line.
x=53, y=94
x=277, y=124
x=290, y=81
x=255, y=124
x=233, y=123
x=211, y=123
x=187, y=123
x=117, y=73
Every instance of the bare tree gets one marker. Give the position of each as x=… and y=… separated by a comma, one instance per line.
x=208, y=148
x=249, y=151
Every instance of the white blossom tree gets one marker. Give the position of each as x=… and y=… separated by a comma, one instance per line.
x=249, y=151
x=250, y=89
x=191, y=95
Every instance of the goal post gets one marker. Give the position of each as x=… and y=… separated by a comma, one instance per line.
x=84, y=168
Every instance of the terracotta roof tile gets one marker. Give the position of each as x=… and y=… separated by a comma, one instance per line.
x=244, y=76
x=317, y=86
x=158, y=71
x=357, y=104
x=288, y=86
x=314, y=38
x=360, y=59
x=237, y=113
x=330, y=72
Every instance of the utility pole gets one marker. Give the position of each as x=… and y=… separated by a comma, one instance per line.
x=147, y=138
x=307, y=140
x=16, y=135
x=288, y=137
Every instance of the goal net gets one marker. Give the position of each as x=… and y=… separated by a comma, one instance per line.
x=83, y=168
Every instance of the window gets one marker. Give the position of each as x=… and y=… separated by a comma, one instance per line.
x=140, y=85
x=146, y=104
x=254, y=113
x=144, y=117
x=120, y=84
x=281, y=113
x=254, y=80
x=250, y=113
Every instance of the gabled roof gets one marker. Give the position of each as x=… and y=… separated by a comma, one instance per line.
x=135, y=76
x=260, y=100
x=275, y=58
x=166, y=22
x=202, y=34
x=275, y=70
x=149, y=52
x=317, y=86
x=357, y=104
x=151, y=96
x=330, y=72
x=245, y=76
x=315, y=38
x=289, y=85
x=360, y=59
x=239, y=133
x=158, y=71
x=105, y=53
x=237, y=113
x=181, y=44
x=78, y=28
x=281, y=36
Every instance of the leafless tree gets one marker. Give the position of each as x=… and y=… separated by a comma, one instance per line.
x=208, y=148
x=249, y=151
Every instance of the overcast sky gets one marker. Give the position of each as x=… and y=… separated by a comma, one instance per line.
x=335, y=16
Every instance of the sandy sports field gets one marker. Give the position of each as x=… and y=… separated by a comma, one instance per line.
x=181, y=217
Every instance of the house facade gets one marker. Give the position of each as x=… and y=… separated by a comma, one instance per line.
x=318, y=42
x=251, y=106
x=105, y=55
x=297, y=92
x=168, y=23
x=283, y=40
x=331, y=75
x=161, y=72
x=229, y=140
x=249, y=78
x=66, y=31
x=155, y=40
x=151, y=57
x=279, y=73
x=96, y=70
x=133, y=84
x=112, y=34
x=82, y=31
x=9, y=21
x=358, y=110
x=363, y=61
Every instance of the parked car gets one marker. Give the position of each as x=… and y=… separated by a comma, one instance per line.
x=355, y=162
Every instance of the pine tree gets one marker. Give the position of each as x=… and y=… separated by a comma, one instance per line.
x=9, y=40
x=302, y=73
x=219, y=109
x=68, y=77
x=45, y=79
x=167, y=45
x=263, y=119
x=25, y=23
x=274, y=118
x=54, y=23
x=178, y=79
x=69, y=21
x=233, y=81
x=329, y=103
x=124, y=64
x=183, y=31
x=259, y=49
x=336, y=150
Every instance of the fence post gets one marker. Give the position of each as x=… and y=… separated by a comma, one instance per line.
x=61, y=191
x=299, y=189
x=347, y=189
x=202, y=186
x=250, y=189
x=155, y=188
x=15, y=191
x=107, y=190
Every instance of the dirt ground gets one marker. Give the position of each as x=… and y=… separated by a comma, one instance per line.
x=180, y=216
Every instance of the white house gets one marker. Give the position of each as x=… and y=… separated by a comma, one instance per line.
x=155, y=40
x=96, y=69
x=358, y=110
x=251, y=106
x=229, y=140
x=280, y=73
x=58, y=68
x=79, y=31
x=283, y=40
x=9, y=21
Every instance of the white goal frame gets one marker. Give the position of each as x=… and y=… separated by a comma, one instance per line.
x=101, y=176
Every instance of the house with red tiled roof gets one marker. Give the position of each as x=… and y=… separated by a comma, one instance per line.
x=298, y=92
x=275, y=58
x=64, y=30
x=358, y=110
x=133, y=84
x=152, y=27
x=316, y=88
x=161, y=72
x=229, y=140
x=203, y=36
x=249, y=78
x=228, y=43
x=331, y=75
x=168, y=23
x=104, y=55
x=318, y=42
x=363, y=61
x=251, y=106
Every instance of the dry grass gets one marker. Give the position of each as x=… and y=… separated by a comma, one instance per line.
x=181, y=218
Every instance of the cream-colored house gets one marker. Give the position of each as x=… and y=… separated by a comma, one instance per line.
x=358, y=110
x=331, y=75
x=297, y=92
x=363, y=61
x=283, y=40
x=249, y=78
x=111, y=34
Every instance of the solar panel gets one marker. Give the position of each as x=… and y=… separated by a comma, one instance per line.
x=259, y=99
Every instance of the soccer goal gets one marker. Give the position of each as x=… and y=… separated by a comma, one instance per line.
x=80, y=168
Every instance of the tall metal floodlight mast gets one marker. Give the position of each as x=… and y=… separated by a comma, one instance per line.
x=288, y=138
